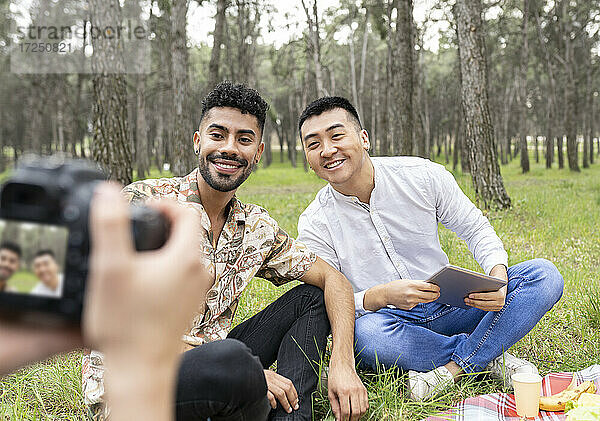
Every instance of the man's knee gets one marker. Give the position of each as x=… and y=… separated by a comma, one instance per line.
x=553, y=282
x=314, y=295
x=228, y=366
x=549, y=281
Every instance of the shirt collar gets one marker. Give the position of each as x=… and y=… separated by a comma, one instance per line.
x=353, y=199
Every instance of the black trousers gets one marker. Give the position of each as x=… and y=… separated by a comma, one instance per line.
x=224, y=380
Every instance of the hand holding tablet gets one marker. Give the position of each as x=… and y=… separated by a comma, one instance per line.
x=457, y=283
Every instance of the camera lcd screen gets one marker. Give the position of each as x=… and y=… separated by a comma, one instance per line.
x=32, y=258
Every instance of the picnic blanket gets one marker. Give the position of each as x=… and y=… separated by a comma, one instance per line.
x=501, y=406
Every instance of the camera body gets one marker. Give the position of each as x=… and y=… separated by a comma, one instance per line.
x=52, y=196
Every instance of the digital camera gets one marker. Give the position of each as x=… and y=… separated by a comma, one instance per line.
x=44, y=236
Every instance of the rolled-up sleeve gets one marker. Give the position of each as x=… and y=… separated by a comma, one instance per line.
x=456, y=212
x=287, y=260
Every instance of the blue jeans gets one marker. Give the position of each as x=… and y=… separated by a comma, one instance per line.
x=431, y=335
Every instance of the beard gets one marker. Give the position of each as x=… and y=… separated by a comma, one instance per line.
x=224, y=182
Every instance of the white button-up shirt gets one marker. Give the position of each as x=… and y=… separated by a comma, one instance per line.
x=395, y=235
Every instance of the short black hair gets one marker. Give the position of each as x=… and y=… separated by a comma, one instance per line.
x=245, y=99
x=14, y=247
x=328, y=103
x=43, y=252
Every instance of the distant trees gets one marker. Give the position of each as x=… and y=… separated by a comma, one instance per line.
x=542, y=76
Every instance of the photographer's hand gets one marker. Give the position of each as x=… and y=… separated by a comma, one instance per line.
x=138, y=304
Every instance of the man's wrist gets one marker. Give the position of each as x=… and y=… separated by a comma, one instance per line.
x=342, y=359
x=375, y=298
x=499, y=270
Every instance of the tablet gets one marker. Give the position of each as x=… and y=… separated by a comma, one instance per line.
x=456, y=283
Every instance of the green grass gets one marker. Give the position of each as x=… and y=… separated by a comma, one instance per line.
x=555, y=215
x=23, y=281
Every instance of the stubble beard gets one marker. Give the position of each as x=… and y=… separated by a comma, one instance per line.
x=223, y=182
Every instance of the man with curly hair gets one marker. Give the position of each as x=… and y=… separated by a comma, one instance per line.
x=225, y=370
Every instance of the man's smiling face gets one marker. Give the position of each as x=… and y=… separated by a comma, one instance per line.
x=334, y=145
x=9, y=263
x=229, y=144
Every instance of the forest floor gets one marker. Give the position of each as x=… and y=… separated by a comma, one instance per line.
x=555, y=215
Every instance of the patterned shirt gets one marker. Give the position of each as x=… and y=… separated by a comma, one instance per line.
x=250, y=244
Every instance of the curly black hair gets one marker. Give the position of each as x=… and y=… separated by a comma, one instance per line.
x=245, y=99
x=328, y=103
x=14, y=247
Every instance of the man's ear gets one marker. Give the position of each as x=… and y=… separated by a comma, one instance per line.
x=196, y=142
x=261, y=149
x=364, y=140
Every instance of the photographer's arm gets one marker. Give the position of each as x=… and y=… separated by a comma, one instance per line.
x=137, y=305
x=23, y=343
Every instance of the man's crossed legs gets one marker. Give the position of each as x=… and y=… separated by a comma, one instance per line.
x=431, y=335
x=224, y=380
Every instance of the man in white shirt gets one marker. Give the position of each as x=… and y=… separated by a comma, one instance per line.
x=46, y=270
x=377, y=222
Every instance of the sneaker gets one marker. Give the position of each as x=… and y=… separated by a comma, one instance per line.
x=506, y=365
x=426, y=385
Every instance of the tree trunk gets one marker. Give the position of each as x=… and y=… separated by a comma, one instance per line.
x=591, y=127
x=214, y=75
x=587, y=138
x=523, y=89
x=570, y=89
x=561, y=156
x=551, y=103
x=402, y=70
x=479, y=132
x=33, y=124
x=375, y=108
x=363, y=65
x=353, y=72
x=142, y=157
x=292, y=138
x=180, y=137
x=110, y=145
x=315, y=44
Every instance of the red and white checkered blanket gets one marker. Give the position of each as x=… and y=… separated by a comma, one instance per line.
x=501, y=406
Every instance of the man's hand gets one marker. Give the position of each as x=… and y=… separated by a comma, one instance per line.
x=281, y=389
x=404, y=294
x=490, y=301
x=347, y=395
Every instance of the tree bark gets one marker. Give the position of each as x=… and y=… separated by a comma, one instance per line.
x=363, y=65
x=315, y=44
x=587, y=135
x=479, y=132
x=180, y=138
x=142, y=157
x=403, y=71
x=110, y=144
x=561, y=152
x=353, y=72
x=214, y=75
